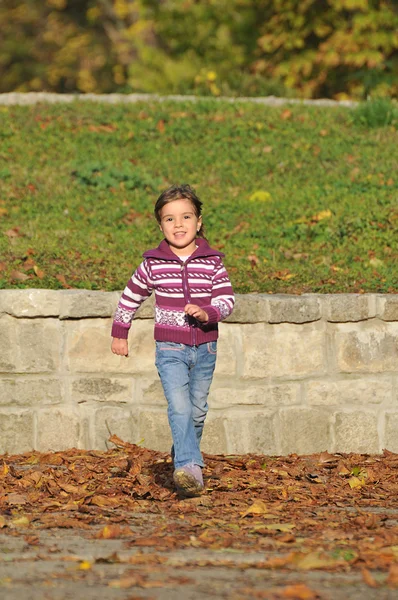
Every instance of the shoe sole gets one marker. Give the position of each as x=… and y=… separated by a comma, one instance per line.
x=187, y=484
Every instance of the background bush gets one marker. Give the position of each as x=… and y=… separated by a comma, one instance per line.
x=306, y=48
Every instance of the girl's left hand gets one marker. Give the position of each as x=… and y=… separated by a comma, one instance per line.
x=195, y=311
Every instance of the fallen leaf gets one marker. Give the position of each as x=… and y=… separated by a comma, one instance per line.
x=392, y=579
x=355, y=482
x=260, y=196
x=18, y=276
x=85, y=565
x=15, y=498
x=368, y=578
x=258, y=507
x=161, y=126
x=14, y=232
x=286, y=114
x=284, y=527
x=298, y=592
x=113, y=531
x=40, y=274
x=20, y=522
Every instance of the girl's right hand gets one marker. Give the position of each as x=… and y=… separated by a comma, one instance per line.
x=120, y=347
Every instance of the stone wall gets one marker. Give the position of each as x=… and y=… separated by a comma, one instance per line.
x=294, y=374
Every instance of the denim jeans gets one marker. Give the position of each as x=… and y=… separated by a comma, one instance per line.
x=186, y=373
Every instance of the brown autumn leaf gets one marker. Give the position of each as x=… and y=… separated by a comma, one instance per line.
x=61, y=279
x=108, y=128
x=254, y=260
x=286, y=114
x=14, y=232
x=299, y=591
x=392, y=579
x=3, y=266
x=16, y=499
x=110, y=532
x=126, y=582
x=160, y=126
x=368, y=578
x=18, y=276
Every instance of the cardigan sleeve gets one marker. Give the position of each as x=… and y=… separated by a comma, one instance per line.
x=222, y=297
x=138, y=289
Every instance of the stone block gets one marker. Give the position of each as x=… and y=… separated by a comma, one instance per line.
x=214, y=440
x=154, y=430
x=391, y=431
x=114, y=421
x=17, y=391
x=387, y=307
x=148, y=392
x=228, y=350
x=9, y=345
x=304, y=430
x=29, y=345
x=285, y=350
x=250, y=308
x=88, y=348
x=102, y=389
x=349, y=392
x=260, y=395
x=252, y=432
x=30, y=303
x=348, y=307
x=83, y=304
x=371, y=347
x=285, y=308
x=16, y=432
x=57, y=429
x=356, y=432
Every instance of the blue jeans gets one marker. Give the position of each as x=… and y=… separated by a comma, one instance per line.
x=186, y=373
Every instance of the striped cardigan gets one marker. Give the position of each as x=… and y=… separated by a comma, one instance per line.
x=202, y=279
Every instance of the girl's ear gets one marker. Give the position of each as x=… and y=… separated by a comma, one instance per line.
x=199, y=224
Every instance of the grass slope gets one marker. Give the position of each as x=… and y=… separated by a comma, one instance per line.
x=301, y=199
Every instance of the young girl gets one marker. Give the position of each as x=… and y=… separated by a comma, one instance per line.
x=193, y=293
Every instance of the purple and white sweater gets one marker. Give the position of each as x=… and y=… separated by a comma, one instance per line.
x=201, y=279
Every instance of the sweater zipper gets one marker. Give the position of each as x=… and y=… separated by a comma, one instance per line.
x=185, y=287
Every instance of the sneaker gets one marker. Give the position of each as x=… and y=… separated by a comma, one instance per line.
x=189, y=479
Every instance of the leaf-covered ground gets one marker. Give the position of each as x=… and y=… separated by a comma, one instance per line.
x=330, y=513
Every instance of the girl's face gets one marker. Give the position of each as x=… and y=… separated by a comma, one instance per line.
x=179, y=224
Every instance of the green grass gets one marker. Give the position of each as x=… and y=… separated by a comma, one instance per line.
x=79, y=182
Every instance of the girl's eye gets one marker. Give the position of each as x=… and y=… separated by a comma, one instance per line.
x=187, y=217
x=169, y=219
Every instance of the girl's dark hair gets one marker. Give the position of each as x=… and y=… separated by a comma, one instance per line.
x=180, y=192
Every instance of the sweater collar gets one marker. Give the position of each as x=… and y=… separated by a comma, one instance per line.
x=163, y=251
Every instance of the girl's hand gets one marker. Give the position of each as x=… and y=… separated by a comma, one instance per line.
x=120, y=347
x=195, y=311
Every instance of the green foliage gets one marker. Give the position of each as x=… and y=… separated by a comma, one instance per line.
x=300, y=199
x=376, y=112
x=105, y=176
x=340, y=48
